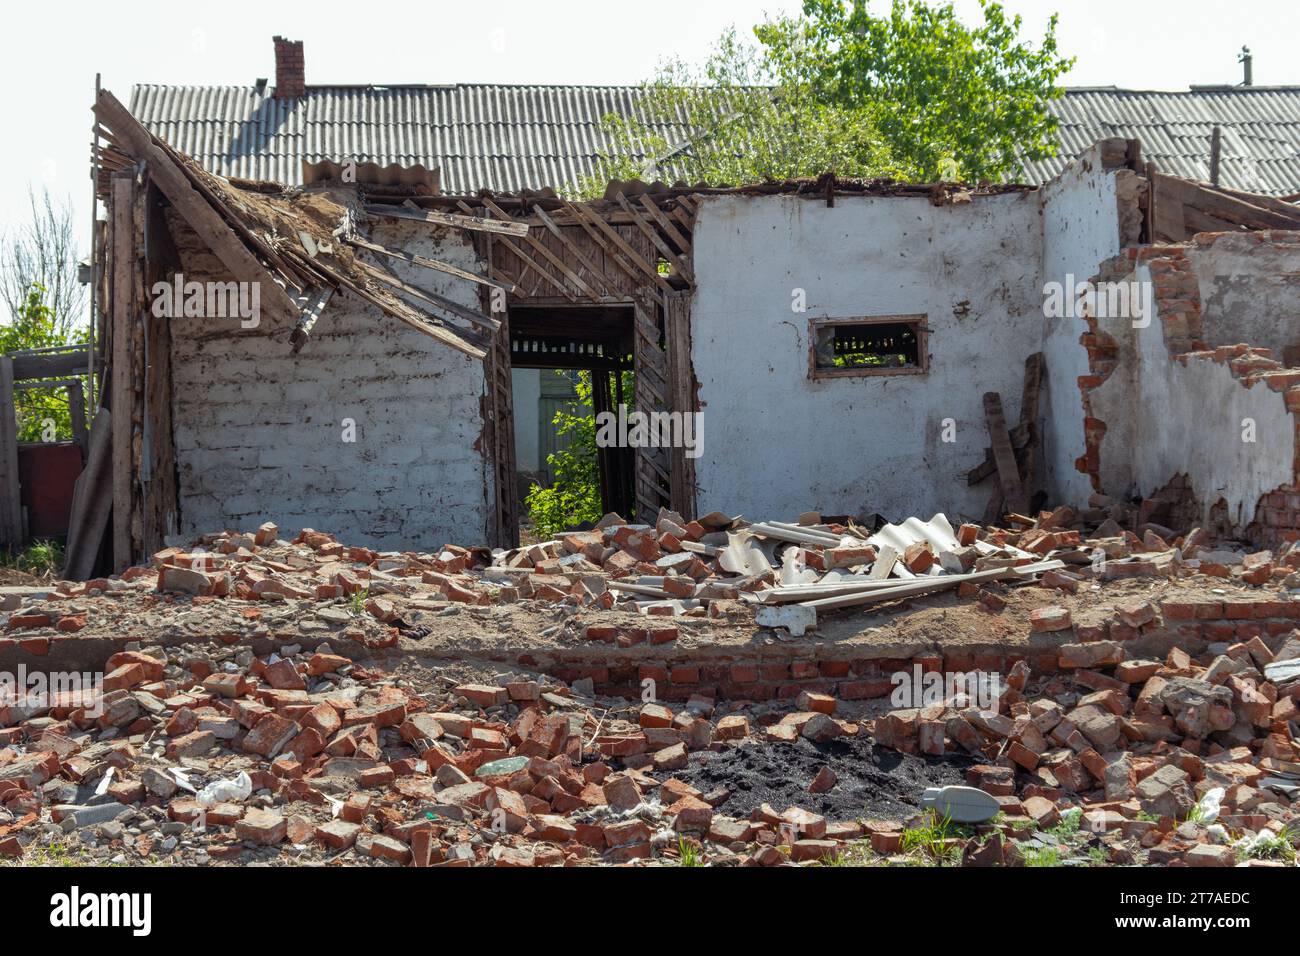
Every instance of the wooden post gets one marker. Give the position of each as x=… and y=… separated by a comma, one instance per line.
x=120, y=397
x=11, y=501
x=681, y=385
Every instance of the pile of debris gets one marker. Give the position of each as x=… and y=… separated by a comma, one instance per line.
x=314, y=746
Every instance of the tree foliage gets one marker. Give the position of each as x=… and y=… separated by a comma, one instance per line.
x=912, y=93
x=43, y=254
x=42, y=413
x=574, y=495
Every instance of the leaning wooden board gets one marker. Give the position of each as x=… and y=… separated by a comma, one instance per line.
x=1008, y=475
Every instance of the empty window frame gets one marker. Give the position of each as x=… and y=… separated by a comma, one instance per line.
x=867, y=345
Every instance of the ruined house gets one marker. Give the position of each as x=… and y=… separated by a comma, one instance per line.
x=851, y=347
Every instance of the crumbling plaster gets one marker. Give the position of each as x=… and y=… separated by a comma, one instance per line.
x=1250, y=289
x=1165, y=418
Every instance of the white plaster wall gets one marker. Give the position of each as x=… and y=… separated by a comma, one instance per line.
x=259, y=431
x=1250, y=291
x=1164, y=418
x=777, y=443
x=526, y=387
x=1080, y=230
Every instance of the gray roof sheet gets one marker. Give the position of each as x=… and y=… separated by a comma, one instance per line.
x=506, y=138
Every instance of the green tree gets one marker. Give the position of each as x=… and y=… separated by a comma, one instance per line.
x=574, y=495
x=914, y=94
x=945, y=96
x=42, y=413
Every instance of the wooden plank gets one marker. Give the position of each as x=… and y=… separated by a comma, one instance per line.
x=647, y=270
x=92, y=500
x=486, y=322
x=77, y=413
x=1008, y=476
x=120, y=391
x=682, y=397
x=11, y=500
x=205, y=220
x=570, y=246
x=666, y=224
x=1028, y=457
x=472, y=223
x=683, y=267
x=550, y=257
x=412, y=259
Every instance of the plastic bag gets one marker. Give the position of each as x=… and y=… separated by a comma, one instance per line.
x=1207, y=809
x=221, y=791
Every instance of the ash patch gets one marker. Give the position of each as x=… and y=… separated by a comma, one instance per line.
x=873, y=783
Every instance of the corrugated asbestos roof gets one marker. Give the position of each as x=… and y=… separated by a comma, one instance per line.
x=502, y=138
x=506, y=138
x=1261, y=132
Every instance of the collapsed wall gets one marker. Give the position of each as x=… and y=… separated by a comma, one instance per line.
x=371, y=430
x=1206, y=432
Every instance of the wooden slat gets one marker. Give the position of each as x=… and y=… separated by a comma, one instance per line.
x=603, y=235
x=666, y=224
x=550, y=257
x=572, y=247
x=649, y=231
x=412, y=259
x=92, y=500
x=472, y=223
x=1008, y=476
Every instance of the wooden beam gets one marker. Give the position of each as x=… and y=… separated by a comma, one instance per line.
x=683, y=267
x=51, y=364
x=471, y=223
x=571, y=246
x=412, y=259
x=191, y=206
x=1009, y=477
x=120, y=394
x=486, y=322
x=548, y=255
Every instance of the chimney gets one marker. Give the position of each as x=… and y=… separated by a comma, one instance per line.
x=290, y=82
x=1246, y=61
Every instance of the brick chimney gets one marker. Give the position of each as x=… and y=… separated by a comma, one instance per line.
x=290, y=81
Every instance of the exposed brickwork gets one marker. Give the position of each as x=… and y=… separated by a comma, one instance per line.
x=1178, y=306
x=290, y=72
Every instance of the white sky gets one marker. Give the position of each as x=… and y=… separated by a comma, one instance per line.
x=51, y=50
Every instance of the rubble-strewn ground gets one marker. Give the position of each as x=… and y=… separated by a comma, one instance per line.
x=301, y=702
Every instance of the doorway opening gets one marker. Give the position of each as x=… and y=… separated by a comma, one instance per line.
x=568, y=365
